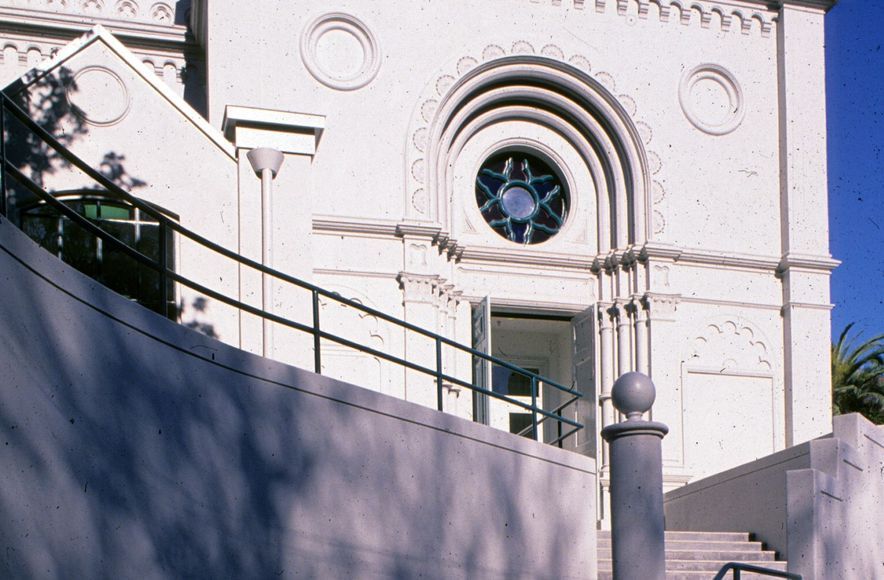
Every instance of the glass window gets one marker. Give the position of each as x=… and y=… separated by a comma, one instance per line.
x=98, y=259
x=521, y=197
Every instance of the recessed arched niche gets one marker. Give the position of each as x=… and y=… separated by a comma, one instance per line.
x=542, y=107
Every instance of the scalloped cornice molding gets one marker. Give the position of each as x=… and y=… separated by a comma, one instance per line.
x=767, y=5
x=158, y=31
x=100, y=34
x=608, y=262
x=745, y=16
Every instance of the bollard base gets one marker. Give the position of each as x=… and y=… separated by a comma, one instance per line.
x=637, y=526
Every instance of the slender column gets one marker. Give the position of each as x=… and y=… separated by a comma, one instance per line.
x=266, y=255
x=606, y=380
x=606, y=341
x=624, y=350
x=294, y=137
x=641, y=337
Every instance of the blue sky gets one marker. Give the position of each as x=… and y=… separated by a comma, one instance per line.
x=855, y=104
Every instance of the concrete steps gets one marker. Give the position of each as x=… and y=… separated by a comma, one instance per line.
x=699, y=555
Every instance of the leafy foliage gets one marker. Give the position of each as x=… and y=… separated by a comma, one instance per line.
x=858, y=376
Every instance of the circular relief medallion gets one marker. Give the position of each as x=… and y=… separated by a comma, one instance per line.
x=98, y=96
x=712, y=99
x=340, y=51
x=521, y=197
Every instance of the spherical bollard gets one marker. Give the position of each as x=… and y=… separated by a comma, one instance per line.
x=637, y=536
x=633, y=394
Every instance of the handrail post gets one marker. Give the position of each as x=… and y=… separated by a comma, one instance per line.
x=439, y=404
x=637, y=530
x=3, y=190
x=164, y=265
x=266, y=163
x=317, y=355
x=559, y=430
x=534, y=409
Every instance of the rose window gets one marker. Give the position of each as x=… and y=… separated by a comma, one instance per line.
x=521, y=197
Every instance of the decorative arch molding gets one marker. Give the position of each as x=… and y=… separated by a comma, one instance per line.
x=347, y=364
x=730, y=375
x=342, y=320
x=547, y=88
x=732, y=345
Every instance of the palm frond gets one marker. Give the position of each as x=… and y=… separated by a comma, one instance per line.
x=858, y=375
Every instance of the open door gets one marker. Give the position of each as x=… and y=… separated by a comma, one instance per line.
x=583, y=329
x=482, y=367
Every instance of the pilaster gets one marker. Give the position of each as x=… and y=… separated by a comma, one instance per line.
x=663, y=365
x=806, y=333
x=421, y=301
x=660, y=310
x=804, y=205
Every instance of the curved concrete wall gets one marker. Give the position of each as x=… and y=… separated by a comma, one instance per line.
x=133, y=447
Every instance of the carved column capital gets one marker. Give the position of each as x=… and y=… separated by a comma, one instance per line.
x=449, y=298
x=661, y=306
x=622, y=309
x=605, y=315
x=639, y=306
x=420, y=288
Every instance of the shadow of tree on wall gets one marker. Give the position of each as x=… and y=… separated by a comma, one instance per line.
x=47, y=104
x=47, y=101
x=128, y=465
x=127, y=455
x=199, y=306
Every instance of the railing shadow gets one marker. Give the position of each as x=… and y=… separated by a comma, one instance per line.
x=168, y=279
x=126, y=456
x=131, y=453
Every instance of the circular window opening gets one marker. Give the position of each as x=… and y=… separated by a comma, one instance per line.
x=521, y=197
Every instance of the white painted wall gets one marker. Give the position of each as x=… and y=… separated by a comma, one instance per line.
x=684, y=128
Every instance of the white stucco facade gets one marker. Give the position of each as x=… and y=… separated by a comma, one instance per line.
x=690, y=138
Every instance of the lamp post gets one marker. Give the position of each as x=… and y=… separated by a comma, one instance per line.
x=266, y=163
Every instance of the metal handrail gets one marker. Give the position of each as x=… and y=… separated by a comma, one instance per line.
x=738, y=567
x=166, y=274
